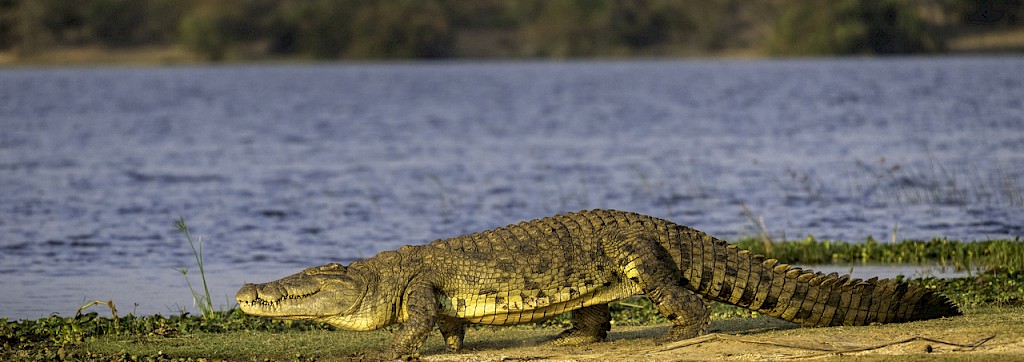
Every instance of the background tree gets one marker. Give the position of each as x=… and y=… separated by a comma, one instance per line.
x=208, y=30
x=44, y=23
x=402, y=29
x=114, y=22
x=317, y=27
x=850, y=27
x=998, y=13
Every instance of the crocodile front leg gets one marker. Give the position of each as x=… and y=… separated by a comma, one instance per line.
x=645, y=262
x=421, y=308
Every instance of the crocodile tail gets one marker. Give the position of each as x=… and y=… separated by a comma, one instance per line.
x=725, y=273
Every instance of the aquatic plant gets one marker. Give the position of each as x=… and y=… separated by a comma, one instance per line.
x=446, y=205
x=202, y=301
x=936, y=183
x=762, y=228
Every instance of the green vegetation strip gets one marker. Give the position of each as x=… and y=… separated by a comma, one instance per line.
x=1001, y=256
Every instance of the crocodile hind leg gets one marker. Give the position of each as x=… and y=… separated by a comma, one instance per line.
x=645, y=262
x=685, y=309
x=453, y=331
x=589, y=325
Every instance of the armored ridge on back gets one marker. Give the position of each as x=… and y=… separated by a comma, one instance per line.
x=578, y=262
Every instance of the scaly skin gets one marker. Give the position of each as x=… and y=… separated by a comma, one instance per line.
x=578, y=262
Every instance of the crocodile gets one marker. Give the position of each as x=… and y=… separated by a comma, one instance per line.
x=578, y=263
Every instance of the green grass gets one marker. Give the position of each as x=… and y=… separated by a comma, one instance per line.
x=988, y=255
x=68, y=338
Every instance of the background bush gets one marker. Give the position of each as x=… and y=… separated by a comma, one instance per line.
x=207, y=30
x=851, y=27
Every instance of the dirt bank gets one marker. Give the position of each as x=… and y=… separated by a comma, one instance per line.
x=988, y=334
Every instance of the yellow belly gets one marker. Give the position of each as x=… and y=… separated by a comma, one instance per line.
x=515, y=307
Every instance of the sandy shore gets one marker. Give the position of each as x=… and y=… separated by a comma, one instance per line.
x=983, y=335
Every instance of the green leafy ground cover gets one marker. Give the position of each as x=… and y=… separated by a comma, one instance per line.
x=233, y=335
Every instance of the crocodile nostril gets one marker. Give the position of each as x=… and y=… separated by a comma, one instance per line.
x=247, y=293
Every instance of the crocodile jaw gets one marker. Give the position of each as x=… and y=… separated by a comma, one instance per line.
x=314, y=293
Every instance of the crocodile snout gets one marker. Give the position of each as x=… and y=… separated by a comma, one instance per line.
x=247, y=294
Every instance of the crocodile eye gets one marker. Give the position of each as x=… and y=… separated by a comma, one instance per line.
x=328, y=268
x=331, y=267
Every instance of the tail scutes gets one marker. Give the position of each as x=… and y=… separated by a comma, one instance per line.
x=812, y=298
x=818, y=299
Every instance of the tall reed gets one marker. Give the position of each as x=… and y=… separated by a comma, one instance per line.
x=202, y=301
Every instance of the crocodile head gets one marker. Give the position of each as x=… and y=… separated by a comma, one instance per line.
x=325, y=293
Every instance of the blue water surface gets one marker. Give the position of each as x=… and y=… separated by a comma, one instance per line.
x=280, y=167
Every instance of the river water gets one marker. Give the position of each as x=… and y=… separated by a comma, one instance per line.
x=280, y=167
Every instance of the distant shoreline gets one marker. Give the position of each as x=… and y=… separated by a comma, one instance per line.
x=1007, y=41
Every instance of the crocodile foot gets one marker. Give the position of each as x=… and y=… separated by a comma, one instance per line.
x=575, y=337
x=678, y=333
